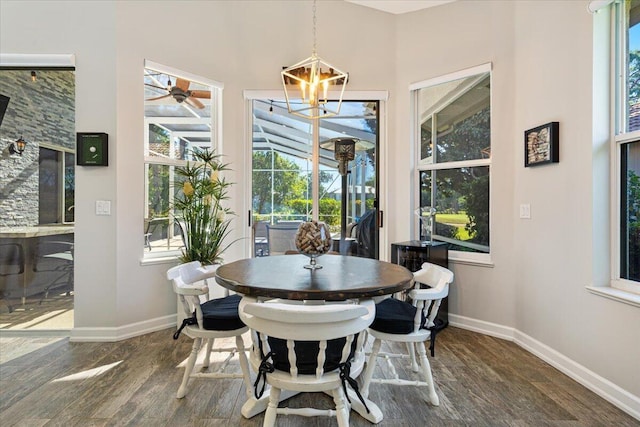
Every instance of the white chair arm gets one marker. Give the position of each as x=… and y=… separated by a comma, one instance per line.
x=192, y=275
x=199, y=289
x=429, y=294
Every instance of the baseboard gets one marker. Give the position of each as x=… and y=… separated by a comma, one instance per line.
x=119, y=333
x=604, y=388
x=486, y=328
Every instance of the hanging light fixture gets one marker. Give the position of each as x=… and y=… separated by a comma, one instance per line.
x=310, y=81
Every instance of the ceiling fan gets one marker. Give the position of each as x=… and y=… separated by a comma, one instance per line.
x=181, y=93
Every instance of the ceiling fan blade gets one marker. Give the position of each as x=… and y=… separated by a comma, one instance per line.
x=158, y=97
x=194, y=103
x=205, y=94
x=183, y=84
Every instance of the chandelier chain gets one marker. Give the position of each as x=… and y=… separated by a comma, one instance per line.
x=314, y=27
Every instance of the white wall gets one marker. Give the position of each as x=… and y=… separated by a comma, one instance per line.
x=541, y=56
x=553, y=65
x=535, y=293
x=88, y=31
x=436, y=42
x=243, y=44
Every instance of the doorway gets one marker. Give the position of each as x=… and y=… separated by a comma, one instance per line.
x=282, y=174
x=37, y=191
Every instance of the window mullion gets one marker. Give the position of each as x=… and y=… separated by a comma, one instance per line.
x=455, y=165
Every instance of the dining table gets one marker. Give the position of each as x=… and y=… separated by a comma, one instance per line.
x=340, y=278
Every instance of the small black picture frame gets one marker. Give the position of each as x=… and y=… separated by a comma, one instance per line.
x=541, y=145
x=92, y=149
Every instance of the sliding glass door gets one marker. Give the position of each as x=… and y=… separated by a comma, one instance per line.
x=283, y=174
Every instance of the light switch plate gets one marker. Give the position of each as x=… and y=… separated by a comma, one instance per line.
x=525, y=211
x=103, y=207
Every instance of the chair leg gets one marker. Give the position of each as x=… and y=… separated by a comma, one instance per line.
x=272, y=409
x=182, y=390
x=342, y=409
x=428, y=376
x=371, y=366
x=411, y=349
x=207, y=356
x=244, y=365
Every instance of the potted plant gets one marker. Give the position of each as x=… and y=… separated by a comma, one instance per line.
x=200, y=214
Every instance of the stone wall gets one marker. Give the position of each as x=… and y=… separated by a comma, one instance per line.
x=41, y=112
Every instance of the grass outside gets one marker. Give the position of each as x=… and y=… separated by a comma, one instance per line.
x=458, y=220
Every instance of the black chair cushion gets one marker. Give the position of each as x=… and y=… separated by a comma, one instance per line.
x=395, y=317
x=221, y=314
x=307, y=354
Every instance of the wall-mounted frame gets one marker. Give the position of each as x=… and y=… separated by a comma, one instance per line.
x=541, y=145
x=92, y=149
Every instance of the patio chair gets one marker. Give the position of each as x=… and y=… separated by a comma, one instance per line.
x=53, y=267
x=281, y=237
x=260, y=245
x=12, y=264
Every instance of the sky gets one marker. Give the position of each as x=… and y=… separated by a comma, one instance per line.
x=634, y=37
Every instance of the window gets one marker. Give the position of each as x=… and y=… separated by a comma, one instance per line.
x=56, y=185
x=181, y=113
x=626, y=145
x=453, y=134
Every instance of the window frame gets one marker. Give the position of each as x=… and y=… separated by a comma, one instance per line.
x=215, y=124
x=380, y=96
x=620, y=137
x=474, y=258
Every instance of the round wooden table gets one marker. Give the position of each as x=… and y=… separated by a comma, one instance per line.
x=340, y=278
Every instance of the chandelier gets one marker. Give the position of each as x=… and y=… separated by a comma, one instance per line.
x=310, y=81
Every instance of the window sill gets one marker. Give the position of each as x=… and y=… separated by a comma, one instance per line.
x=169, y=259
x=615, y=294
x=474, y=262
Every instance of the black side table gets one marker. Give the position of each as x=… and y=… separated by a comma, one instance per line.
x=411, y=254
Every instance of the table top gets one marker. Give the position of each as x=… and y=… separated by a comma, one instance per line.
x=342, y=277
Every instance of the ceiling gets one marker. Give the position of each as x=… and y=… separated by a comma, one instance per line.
x=398, y=7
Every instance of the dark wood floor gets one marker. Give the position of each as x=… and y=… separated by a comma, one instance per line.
x=481, y=381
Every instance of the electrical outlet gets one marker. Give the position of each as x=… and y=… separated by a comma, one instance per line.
x=525, y=211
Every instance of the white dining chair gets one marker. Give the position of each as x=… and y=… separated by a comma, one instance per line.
x=411, y=323
x=308, y=348
x=206, y=322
